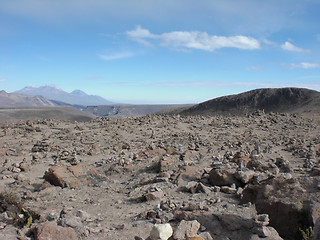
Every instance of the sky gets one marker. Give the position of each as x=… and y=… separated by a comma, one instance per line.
x=152, y=51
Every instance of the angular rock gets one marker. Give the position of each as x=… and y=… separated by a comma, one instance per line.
x=71, y=221
x=245, y=175
x=190, y=173
x=61, y=176
x=161, y=232
x=186, y=229
x=222, y=177
x=50, y=230
x=195, y=187
x=24, y=166
x=202, y=188
x=206, y=236
x=153, y=194
x=72, y=176
x=262, y=219
x=266, y=231
x=167, y=163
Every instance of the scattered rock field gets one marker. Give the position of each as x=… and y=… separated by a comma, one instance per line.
x=161, y=177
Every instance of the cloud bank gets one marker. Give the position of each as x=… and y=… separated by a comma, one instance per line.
x=192, y=40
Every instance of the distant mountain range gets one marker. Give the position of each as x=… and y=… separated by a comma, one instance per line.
x=13, y=100
x=285, y=100
x=77, y=97
x=14, y=107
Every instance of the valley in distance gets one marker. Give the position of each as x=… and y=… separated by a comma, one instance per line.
x=244, y=166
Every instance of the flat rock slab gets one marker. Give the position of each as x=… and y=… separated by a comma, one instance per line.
x=70, y=176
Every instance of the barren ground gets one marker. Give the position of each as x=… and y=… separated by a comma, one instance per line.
x=116, y=178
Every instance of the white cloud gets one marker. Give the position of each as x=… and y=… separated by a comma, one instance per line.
x=140, y=32
x=193, y=40
x=2, y=79
x=304, y=65
x=290, y=47
x=115, y=56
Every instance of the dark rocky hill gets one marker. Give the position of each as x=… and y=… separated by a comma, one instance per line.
x=290, y=100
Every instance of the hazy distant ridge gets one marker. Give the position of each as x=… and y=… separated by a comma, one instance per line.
x=13, y=100
x=77, y=97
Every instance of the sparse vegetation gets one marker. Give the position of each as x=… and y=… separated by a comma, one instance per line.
x=18, y=215
x=306, y=232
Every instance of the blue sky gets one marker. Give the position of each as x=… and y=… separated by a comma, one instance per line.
x=152, y=51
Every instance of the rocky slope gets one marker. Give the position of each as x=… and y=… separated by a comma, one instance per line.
x=249, y=177
x=291, y=100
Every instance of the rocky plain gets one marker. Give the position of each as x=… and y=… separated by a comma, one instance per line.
x=255, y=176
